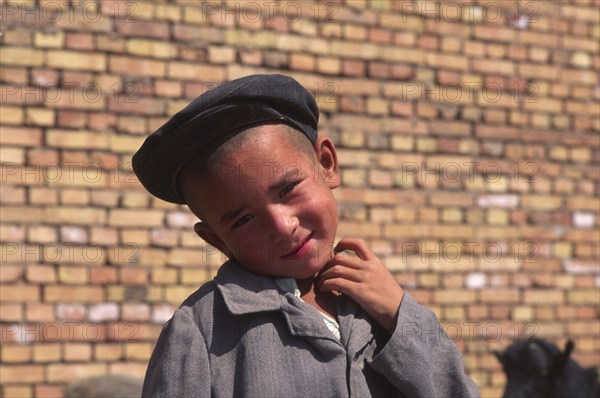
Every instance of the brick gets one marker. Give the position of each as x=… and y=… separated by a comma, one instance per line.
x=134, y=276
x=19, y=293
x=20, y=136
x=133, y=369
x=328, y=65
x=15, y=354
x=164, y=276
x=13, y=195
x=452, y=296
x=108, y=352
x=35, y=312
x=130, y=218
x=537, y=71
x=74, y=197
x=67, y=372
x=80, y=41
x=438, y=60
x=136, y=105
x=48, y=390
x=302, y=62
x=451, y=215
x=176, y=294
x=493, y=66
x=158, y=30
x=583, y=296
x=43, y=352
x=541, y=202
x=162, y=313
x=185, y=257
x=89, y=98
x=543, y=297
x=73, y=275
x=40, y=117
x=41, y=273
x=21, y=374
x=11, y=312
x=11, y=115
x=135, y=312
x=169, y=12
x=74, y=215
x=354, y=68
x=76, y=60
x=125, y=143
x=578, y=76
x=103, y=312
x=70, y=312
x=138, y=351
x=221, y=55
x=16, y=390
x=21, y=56
x=82, y=294
x=77, y=352
x=510, y=296
x=12, y=155
x=408, y=22
x=144, y=67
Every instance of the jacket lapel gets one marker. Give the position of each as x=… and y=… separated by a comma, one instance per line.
x=247, y=293
x=355, y=328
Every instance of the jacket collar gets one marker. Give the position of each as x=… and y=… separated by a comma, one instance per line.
x=245, y=292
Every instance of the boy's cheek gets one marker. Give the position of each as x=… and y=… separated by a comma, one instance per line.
x=253, y=251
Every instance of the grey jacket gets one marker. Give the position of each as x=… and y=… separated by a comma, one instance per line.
x=238, y=335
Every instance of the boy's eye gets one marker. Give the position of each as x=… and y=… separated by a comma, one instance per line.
x=242, y=220
x=288, y=188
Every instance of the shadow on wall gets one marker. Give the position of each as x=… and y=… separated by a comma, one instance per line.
x=105, y=387
x=536, y=368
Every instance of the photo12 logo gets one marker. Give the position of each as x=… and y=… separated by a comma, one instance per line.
x=517, y=13
x=256, y=11
x=69, y=92
x=69, y=11
x=54, y=332
x=56, y=253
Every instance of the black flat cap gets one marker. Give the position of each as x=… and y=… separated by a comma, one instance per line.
x=215, y=116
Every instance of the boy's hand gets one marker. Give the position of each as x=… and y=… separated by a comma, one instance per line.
x=365, y=279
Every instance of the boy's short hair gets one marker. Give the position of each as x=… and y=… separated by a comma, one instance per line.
x=216, y=116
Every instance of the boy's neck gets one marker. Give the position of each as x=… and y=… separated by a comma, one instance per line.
x=323, y=301
x=306, y=286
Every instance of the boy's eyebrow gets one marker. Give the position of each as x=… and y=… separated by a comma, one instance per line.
x=284, y=180
x=232, y=214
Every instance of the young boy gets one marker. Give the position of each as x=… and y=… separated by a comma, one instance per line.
x=290, y=314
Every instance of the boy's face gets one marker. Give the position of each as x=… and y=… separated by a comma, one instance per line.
x=269, y=205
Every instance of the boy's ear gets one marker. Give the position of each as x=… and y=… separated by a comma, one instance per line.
x=205, y=232
x=328, y=163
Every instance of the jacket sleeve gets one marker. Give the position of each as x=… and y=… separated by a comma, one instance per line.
x=179, y=365
x=420, y=359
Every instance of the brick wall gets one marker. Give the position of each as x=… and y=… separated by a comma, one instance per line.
x=468, y=137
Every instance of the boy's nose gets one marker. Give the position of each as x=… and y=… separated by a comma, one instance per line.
x=282, y=224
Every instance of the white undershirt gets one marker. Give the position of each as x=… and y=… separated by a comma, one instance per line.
x=290, y=285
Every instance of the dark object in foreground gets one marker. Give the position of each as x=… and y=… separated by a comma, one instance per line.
x=536, y=368
x=111, y=386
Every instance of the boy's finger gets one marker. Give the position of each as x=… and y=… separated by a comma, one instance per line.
x=340, y=285
x=340, y=271
x=346, y=260
x=358, y=246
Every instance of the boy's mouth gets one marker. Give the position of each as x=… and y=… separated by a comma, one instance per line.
x=301, y=249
